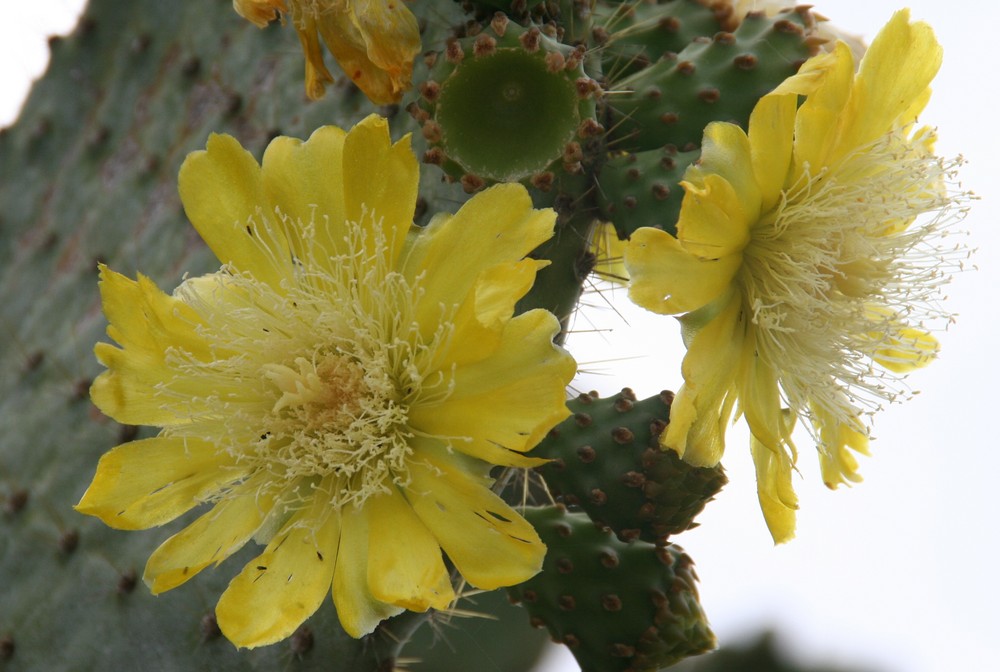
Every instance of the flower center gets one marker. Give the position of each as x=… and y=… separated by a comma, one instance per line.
x=311, y=382
x=334, y=419
x=319, y=397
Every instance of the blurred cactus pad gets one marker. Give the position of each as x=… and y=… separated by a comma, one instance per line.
x=88, y=174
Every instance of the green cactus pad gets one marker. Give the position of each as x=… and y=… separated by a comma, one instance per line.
x=606, y=459
x=618, y=607
x=634, y=35
x=712, y=79
x=505, y=105
x=644, y=189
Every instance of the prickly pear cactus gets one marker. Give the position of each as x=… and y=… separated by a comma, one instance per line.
x=601, y=107
x=619, y=607
x=606, y=459
x=713, y=78
x=642, y=189
x=634, y=35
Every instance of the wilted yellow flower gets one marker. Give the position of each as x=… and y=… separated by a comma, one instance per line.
x=801, y=260
x=374, y=41
x=338, y=391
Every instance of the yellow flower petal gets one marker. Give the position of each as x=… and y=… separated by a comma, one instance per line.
x=809, y=77
x=896, y=346
x=909, y=116
x=146, y=323
x=819, y=117
x=221, y=189
x=471, y=340
x=908, y=350
x=212, y=538
x=305, y=180
x=283, y=586
x=405, y=566
x=489, y=542
x=150, y=482
x=357, y=608
x=772, y=128
x=837, y=439
x=391, y=34
x=380, y=180
x=666, y=278
x=702, y=407
x=760, y=400
x=374, y=41
x=500, y=287
x=317, y=76
x=726, y=154
x=895, y=72
x=480, y=320
x=714, y=220
x=499, y=405
x=774, y=490
x=482, y=314
x=495, y=226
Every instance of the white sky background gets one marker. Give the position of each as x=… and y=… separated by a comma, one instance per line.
x=898, y=572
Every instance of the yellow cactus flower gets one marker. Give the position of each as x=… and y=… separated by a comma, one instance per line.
x=338, y=391
x=807, y=249
x=374, y=41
